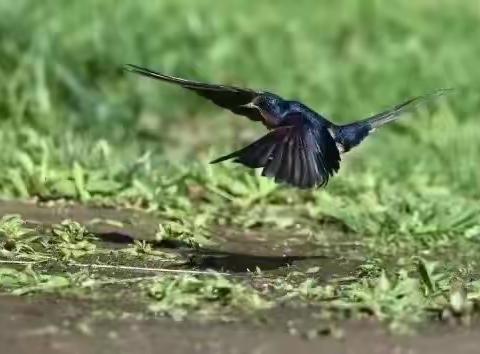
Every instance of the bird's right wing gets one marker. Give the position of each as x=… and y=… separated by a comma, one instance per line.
x=229, y=97
x=391, y=114
x=352, y=134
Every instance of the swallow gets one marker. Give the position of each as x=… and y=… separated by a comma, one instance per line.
x=302, y=148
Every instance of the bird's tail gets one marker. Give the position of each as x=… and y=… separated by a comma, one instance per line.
x=350, y=135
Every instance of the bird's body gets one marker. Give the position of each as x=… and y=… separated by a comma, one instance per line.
x=302, y=148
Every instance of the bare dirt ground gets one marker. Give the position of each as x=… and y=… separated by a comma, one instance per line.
x=59, y=326
x=49, y=324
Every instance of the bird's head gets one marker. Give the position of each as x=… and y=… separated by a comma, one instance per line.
x=270, y=104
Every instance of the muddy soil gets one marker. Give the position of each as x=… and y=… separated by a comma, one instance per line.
x=64, y=326
x=49, y=324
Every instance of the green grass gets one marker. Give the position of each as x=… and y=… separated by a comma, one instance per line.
x=74, y=127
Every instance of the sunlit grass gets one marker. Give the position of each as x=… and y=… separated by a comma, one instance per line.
x=74, y=127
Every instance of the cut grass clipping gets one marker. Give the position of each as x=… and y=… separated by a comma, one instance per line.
x=179, y=296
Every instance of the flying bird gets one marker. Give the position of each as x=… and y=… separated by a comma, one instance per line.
x=302, y=148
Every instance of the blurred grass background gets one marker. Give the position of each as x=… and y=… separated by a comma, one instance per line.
x=74, y=127
x=64, y=98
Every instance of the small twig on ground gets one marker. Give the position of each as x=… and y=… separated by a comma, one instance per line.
x=17, y=262
x=131, y=268
x=145, y=269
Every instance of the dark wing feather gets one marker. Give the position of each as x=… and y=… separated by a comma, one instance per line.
x=303, y=155
x=297, y=166
x=229, y=97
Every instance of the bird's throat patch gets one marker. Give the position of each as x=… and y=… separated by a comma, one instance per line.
x=270, y=119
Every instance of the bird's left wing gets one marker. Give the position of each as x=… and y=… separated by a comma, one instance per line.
x=229, y=97
x=300, y=154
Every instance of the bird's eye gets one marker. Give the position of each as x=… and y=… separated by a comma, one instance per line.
x=272, y=103
x=267, y=104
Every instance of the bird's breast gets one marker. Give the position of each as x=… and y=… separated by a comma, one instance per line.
x=271, y=120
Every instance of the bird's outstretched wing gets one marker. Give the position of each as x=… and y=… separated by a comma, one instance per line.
x=301, y=155
x=229, y=97
x=352, y=134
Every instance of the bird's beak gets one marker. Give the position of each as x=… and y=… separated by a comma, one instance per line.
x=249, y=105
